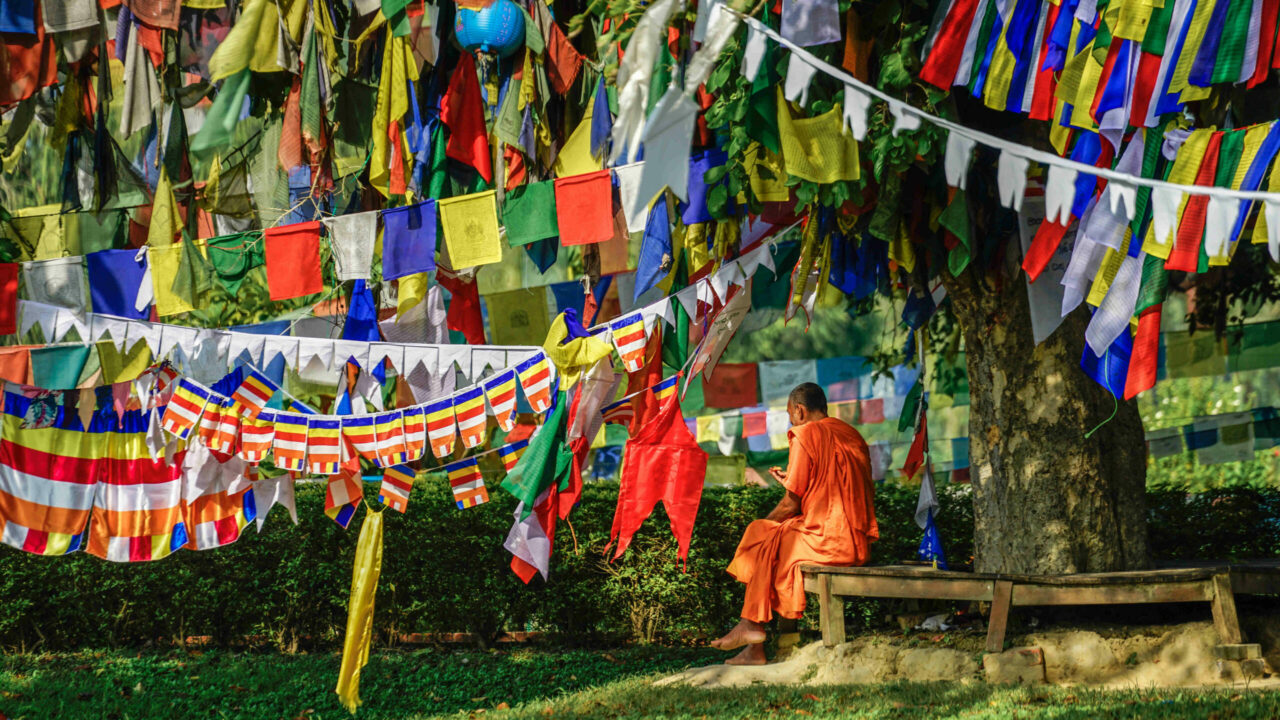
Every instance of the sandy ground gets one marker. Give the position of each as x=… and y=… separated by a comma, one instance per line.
x=1168, y=656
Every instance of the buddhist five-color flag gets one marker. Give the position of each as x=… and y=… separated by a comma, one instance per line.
x=468, y=407
x=621, y=412
x=397, y=484
x=510, y=454
x=324, y=444
x=185, y=408
x=501, y=392
x=467, y=483
x=256, y=434
x=253, y=394
x=415, y=432
x=359, y=433
x=629, y=339
x=390, y=431
x=535, y=379
x=440, y=427
x=219, y=425
x=344, y=494
x=666, y=388
x=290, y=444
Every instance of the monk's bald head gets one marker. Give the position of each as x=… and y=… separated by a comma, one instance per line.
x=805, y=403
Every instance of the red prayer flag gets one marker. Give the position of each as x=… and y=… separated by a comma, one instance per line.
x=1144, y=360
x=584, y=208
x=27, y=63
x=755, y=424
x=732, y=385
x=563, y=60
x=872, y=411
x=1042, y=248
x=8, y=298
x=948, y=45
x=293, y=260
x=462, y=111
x=1185, y=255
x=464, y=306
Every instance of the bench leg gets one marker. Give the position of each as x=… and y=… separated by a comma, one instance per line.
x=1225, y=620
x=830, y=613
x=1001, y=598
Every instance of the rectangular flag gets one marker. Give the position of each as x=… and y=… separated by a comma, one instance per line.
x=415, y=432
x=324, y=444
x=253, y=394
x=621, y=412
x=468, y=407
x=343, y=495
x=467, y=483
x=397, y=484
x=256, y=434
x=510, y=454
x=666, y=389
x=390, y=431
x=219, y=425
x=535, y=379
x=501, y=393
x=290, y=444
x=358, y=430
x=185, y=407
x=629, y=339
x=440, y=427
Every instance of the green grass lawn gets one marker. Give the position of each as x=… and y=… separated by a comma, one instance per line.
x=528, y=684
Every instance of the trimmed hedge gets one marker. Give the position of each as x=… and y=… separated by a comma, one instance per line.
x=445, y=570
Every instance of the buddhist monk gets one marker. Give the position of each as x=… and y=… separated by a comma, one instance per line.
x=826, y=518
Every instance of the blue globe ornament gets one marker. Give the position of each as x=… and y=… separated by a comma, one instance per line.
x=497, y=28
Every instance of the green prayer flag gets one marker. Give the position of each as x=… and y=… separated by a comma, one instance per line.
x=532, y=36
x=547, y=460
x=507, y=127
x=911, y=406
x=1231, y=50
x=58, y=367
x=761, y=120
x=309, y=97
x=529, y=213
x=772, y=291
x=233, y=256
x=192, y=281
x=955, y=219
x=438, y=173
x=675, y=340
x=1155, y=284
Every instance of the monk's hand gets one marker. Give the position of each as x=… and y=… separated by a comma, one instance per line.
x=778, y=473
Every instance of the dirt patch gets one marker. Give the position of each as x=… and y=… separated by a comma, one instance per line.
x=1164, y=656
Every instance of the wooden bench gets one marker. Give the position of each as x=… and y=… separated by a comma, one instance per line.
x=1215, y=584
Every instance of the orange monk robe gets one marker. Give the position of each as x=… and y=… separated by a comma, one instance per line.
x=830, y=469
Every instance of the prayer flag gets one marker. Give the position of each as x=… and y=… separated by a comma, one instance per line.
x=666, y=389
x=440, y=427
x=529, y=213
x=409, y=240
x=360, y=435
x=415, y=431
x=535, y=380
x=471, y=230
x=510, y=453
x=185, y=408
x=462, y=111
x=468, y=406
x=620, y=413
x=8, y=298
x=390, y=431
x=630, y=340
x=735, y=385
x=397, y=485
x=343, y=496
x=324, y=444
x=256, y=434
x=293, y=260
x=501, y=393
x=114, y=280
x=253, y=394
x=467, y=483
x=219, y=425
x=584, y=208
x=289, y=447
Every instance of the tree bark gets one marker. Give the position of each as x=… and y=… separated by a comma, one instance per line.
x=1046, y=499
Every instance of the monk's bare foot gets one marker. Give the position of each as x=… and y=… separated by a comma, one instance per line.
x=745, y=632
x=752, y=654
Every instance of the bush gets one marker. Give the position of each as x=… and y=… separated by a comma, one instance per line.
x=445, y=570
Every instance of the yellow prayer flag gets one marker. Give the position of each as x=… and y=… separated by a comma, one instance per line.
x=575, y=157
x=765, y=172
x=123, y=366
x=471, y=229
x=411, y=291
x=166, y=218
x=708, y=428
x=164, y=262
x=1107, y=271
x=1000, y=73
x=817, y=148
x=1183, y=172
x=251, y=42
x=518, y=317
x=364, y=587
x=576, y=356
x=398, y=68
x=1191, y=47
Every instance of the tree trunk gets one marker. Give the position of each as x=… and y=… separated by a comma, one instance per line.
x=1046, y=499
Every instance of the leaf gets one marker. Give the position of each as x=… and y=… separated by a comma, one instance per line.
x=893, y=73
x=718, y=200
x=715, y=174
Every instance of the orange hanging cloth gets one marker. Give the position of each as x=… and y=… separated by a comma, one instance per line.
x=830, y=469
